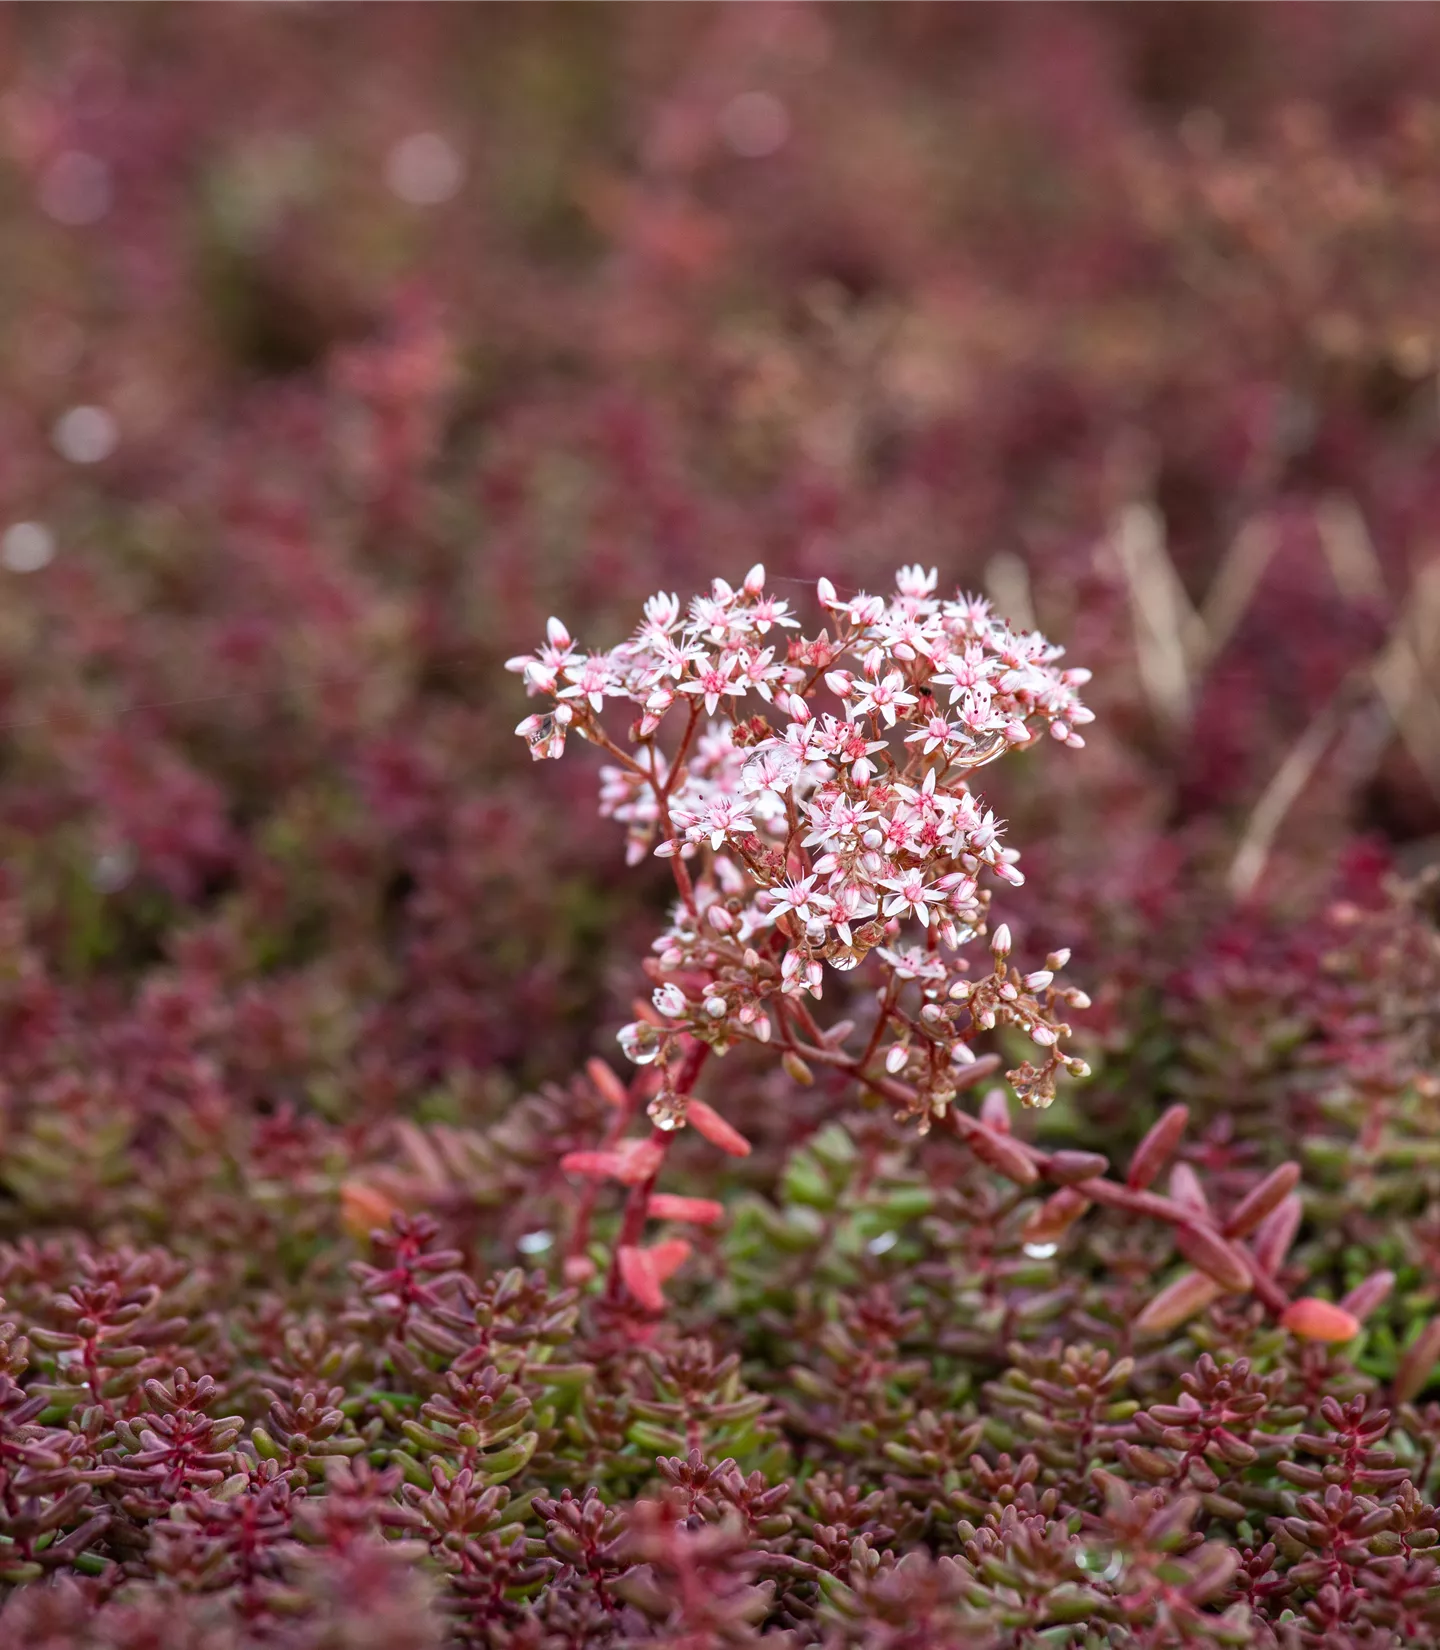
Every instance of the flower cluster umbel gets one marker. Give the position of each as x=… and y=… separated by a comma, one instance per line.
x=839, y=821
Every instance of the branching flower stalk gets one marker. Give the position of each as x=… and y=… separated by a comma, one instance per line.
x=841, y=824
x=828, y=834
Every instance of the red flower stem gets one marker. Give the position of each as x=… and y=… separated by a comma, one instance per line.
x=632, y=1224
x=620, y=1121
x=1097, y=1189
x=662, y=799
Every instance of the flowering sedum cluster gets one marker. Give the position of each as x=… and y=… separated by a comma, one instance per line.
x=816, y=797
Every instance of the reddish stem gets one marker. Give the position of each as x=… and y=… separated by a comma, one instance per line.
x=633, y=1221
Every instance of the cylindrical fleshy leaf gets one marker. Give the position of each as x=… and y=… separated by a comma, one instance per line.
x=1157, y=1148
x=637, y=1272
x=1214, y=1256
x=1190, y=1293
x=1316, y=1320
x=1186, y=1190
x=697, y=1211
x=1365, y=1297
x=716, y=1130
x=995, y=1111
x=1004, y=1154
x=1068, y=1168
x=609, y=1087
x=1418, y=1364
x=1055, y=1216
x=1261, y=1199
x=593, y=1165
x=1276, y=1233
x=365, y=1208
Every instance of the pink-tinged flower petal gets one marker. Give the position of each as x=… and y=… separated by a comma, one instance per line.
x=716, y=1130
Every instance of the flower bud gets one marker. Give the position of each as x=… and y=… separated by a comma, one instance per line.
x=755, y=579
x=1000, y=940
x=825, y=591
